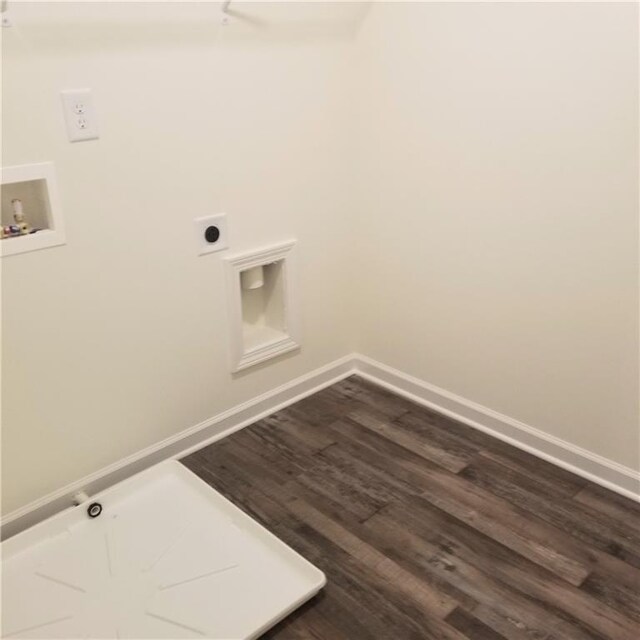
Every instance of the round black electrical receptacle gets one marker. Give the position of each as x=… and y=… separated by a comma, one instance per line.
x=94, y=509
x=212, y=234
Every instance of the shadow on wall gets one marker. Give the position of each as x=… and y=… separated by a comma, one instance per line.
x=100, y=26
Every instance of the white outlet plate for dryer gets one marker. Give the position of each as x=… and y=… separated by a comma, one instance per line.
x=201, y=224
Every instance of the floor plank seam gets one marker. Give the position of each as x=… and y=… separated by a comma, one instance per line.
x=375, y=513
x=494, y=549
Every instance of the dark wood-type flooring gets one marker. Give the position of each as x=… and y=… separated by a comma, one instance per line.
x=427, y=528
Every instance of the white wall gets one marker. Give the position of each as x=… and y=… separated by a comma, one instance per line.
x=119, y=339
x=499, y=215
x=462, y=180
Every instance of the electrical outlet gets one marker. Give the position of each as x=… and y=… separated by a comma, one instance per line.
x=211, y=233
x=79, y=115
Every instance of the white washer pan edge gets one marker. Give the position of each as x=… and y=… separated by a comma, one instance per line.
x=169, y=557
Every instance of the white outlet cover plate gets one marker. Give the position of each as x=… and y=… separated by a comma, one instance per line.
x=169, y=557
x=200, y=224
x=79, y=115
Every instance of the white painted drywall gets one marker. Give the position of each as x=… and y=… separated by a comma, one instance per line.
x=120, y=338
x=462, y=180
x=499, y=209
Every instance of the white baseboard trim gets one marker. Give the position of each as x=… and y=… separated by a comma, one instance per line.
x=586, y=464
x=180, y=445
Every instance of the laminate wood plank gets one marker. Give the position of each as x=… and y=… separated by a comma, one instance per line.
x=242, y=459
x=260, y=470
x=611, y=582
x=498, y=518
x=403, y=581
x=335, y=401
x=257, y=503
x=358, y=455
x=355, y=494
x=301, y=436
x=349, y=454
x=513, y=629
x=622, y=595
x=569, y=611
x=319, y=615
x=399, y=616
x=394, y=618
x=512, y=526
x=396, y=542
x=331, y=472
x=334, y=490
x=616, y=584
x=466, y=623
x=359, y=529
x=611, y=504
x=557, y=480
x=372, y=600
x=427, y=449
x=320, y=409
x=333, y=613
x=487, y=513
x=350, y=595
x=337, y=486
x=374, y=397
x=348, y=388
x=373, y=484
x=538, y=584
x=477, y=540
x=448, y=441
x=516, y=616
x=536, y=602
x=400, y=463
x=578, y=520
x=260, y=491
x=282, y=455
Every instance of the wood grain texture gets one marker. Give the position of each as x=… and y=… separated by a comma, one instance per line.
x=427, y=528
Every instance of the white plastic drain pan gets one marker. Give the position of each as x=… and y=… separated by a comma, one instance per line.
x=169, y=557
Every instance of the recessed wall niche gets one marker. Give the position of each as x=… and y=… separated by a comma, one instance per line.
x=31, y=191
x=262, y=304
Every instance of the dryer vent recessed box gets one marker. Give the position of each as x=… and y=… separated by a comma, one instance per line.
x=262, y=305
